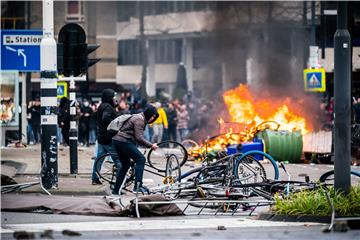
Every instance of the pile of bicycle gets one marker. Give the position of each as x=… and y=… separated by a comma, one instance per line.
x=220, y=177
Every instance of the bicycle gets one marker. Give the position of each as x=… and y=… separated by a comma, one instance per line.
x=221, y=174
x=328, y=177
x=156, y=160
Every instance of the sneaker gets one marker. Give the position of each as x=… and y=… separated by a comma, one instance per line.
x=142, y=189
x=96, y=182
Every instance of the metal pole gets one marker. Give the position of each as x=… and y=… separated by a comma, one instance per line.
x=48, y=91
x=73, y=135
x=313, y=25
x=342, y=93
x=23, y=111
x=304, y=18
x=26, y=83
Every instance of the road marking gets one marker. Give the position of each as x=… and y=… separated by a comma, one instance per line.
x=150, y=224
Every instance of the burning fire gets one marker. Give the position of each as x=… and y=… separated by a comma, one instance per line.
x=250, y=114
x=244, y=108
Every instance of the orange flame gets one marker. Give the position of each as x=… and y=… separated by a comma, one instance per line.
x=244, y=108
x=250, y=114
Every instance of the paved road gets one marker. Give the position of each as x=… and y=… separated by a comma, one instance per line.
x=194, y=227
x=188, y=227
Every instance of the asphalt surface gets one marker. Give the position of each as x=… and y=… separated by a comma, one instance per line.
x=24, y=164
x=195, y=227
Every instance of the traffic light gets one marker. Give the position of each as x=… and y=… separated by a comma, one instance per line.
x=73, y=51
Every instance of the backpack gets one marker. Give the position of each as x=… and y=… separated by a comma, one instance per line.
x=116, y=124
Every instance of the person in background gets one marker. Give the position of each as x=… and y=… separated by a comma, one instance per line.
x=35, y=118
x=172, y=120
x=64, y=119
x=84, y=129
x=160, y=124
x=29, y=130
x=92, y=125
x=194, y=118
x=182, y=123
x=105, y=114
x=123, y=108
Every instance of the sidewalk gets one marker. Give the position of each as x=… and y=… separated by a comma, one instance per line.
x=26, y=164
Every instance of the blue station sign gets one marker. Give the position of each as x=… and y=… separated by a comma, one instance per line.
x=20, y=50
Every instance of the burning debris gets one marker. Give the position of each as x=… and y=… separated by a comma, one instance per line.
x=250, y=114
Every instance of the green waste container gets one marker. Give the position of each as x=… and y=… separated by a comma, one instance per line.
x=283, y=145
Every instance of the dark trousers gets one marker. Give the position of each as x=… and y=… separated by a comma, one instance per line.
x=36, y=130
x=172, y=132
x=65, y=133
x=127, y=151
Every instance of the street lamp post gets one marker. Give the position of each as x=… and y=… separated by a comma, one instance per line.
x=342, y=94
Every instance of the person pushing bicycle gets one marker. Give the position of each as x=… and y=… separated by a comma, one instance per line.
x=125, y=141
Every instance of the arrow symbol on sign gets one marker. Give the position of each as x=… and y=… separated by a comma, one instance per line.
x=21, y=52
x=11, y=49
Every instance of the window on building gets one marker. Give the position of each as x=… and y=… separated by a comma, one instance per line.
x=126, y=10
x=129, y=52
x=168, y=51
x=74, y=11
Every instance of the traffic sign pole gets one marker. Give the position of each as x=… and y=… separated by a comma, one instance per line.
x=73, y=134
x=342, y=94
x=48, y=93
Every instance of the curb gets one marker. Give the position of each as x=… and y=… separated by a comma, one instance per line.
x=352, y=224
x=293, y=218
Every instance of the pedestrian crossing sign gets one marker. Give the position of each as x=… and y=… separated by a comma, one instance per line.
x=314, y=80
x=62, y=90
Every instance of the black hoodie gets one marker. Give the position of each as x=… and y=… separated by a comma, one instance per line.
x=106, y=113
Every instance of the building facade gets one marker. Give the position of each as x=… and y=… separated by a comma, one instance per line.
x=221, y=44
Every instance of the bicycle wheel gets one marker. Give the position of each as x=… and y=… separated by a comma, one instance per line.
x=248, y=169
x=249, y=162
x=328, y=177
x=157, y=159
x=172, y=176
x=105, y=168
x=188, y=144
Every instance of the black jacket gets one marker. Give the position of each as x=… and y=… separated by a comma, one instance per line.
x=64, y=114
x=105, y=114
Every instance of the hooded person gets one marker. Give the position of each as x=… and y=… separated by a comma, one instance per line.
x=125, y=143
x=105, y=114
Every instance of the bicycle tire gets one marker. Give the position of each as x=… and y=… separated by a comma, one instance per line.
x=105, y=168
x=254, y=154
x=325, y=178
x=173, y=175
x=157, y=158
x=248, y=169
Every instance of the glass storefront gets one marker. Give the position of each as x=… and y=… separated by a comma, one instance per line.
x=9, y=98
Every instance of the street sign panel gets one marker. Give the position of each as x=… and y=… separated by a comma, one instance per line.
x=20, y=50
x=314, y=80
x=62, y=90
